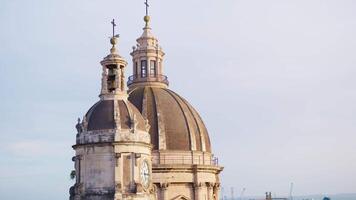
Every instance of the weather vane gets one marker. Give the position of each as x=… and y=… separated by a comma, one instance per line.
x=147, y=5
x=113, y=27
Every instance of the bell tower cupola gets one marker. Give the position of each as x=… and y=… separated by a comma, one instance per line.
x=147, y=58
x=113, y=74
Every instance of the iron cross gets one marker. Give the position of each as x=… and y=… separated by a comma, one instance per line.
x=113, y=27
x=147, y=5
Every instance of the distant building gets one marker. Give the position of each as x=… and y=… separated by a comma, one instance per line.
x=144, y=143
x=269, y=197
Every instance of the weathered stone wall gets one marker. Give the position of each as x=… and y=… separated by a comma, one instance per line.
x=97, y=169
x=188, y=182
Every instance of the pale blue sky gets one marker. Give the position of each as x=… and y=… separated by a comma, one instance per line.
x=273, y=80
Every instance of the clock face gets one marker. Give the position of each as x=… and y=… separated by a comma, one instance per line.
x=145, y=174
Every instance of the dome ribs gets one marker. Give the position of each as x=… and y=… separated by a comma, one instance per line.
x=143, y=105
x=175, y=124
x=124, y=111
x=101, y=116
x=157, y=129
x=176, y=132
x=92, y=108
x=205, y=140
x=198, y=131
x=192, y=140
x=161, y=131
x=138, y=102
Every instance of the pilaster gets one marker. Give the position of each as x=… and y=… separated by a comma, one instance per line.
x=217, y=191
x=210, y=190
x=164, y=191
x=198, y=191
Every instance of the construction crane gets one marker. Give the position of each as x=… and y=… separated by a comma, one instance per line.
x=291, y=191
x=242, y=193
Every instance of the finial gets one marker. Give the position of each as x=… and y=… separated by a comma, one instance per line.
x=114, y=38
x=147, y=17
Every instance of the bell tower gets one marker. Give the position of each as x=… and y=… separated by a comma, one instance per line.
x=113, y=147
x=113, y=77
x=147, y=59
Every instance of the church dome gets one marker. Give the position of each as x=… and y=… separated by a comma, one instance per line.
x=175, y=124
x=101, y=116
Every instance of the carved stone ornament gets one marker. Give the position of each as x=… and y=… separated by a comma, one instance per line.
x=117, y=118
x=181, y=197
x=217, y=185
x=147, y=125
x=117, y=157
x=153, y=189
x=80, y=188
x=139, y=188
x=198, y=185
x=84, y=124
x=210, y=184
x=164, y=186
x=78, y=126
x=118, y=187
x=134, y=124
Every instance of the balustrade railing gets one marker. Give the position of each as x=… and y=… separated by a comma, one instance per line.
x=147, y=78
x=185, y=160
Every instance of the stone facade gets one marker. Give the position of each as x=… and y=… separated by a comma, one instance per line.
x=113, y=148
x=145, y=143
x=183, y=166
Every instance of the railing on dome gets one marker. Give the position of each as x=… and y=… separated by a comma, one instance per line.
x=147, y=78
x=185, y=160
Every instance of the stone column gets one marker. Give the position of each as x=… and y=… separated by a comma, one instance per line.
x=198, y=187
x=104, y=84
x=164, y=191
x=217, y=191
x=117, y=84
x=77, y=165
x=117, y=175
x=210, y=187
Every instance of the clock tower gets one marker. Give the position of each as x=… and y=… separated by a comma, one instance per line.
x=147, y=143
x=113, y=147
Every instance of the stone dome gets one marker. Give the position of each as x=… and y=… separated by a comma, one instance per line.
x=101, y=115
x=175, y=124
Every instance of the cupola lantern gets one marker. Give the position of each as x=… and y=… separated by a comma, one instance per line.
x=147, y=59
x=113, y=75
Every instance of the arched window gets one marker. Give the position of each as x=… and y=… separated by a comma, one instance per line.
x=143, y=68
x=152, y=68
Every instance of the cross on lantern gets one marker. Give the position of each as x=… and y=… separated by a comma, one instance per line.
x=113, y=27
x=147, y=5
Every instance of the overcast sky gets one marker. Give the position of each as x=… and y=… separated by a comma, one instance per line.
x=273, y=80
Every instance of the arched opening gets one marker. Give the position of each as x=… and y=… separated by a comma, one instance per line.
x=143, y=68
